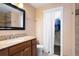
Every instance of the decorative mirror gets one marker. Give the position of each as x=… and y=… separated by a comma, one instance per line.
x=11, y=17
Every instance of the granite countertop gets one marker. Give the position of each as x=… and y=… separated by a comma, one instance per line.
x=11, y=42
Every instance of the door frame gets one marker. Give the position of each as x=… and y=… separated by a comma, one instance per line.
x=61, y=32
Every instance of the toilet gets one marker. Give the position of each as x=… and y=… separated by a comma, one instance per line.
x=39, y=50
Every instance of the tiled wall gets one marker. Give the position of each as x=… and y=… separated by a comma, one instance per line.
x=6, y=37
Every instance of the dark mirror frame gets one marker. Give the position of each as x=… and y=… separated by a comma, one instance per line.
x=15, y=28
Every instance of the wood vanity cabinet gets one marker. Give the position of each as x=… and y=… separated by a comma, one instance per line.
x=27, y=48
x=4, y=52
x=21, y=49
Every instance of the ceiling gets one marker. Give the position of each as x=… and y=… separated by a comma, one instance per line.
x=36, y=5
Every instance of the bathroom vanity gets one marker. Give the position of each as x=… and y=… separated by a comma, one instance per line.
x=23, y=46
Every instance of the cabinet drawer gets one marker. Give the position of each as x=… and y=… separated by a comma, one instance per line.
x=4, y=52
x=34, y=41
x=17, y=48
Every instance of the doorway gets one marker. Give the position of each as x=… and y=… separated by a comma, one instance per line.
x=58, y=31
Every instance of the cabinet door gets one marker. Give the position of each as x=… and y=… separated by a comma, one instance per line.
x=27, y=51
x=4, y=52
x=34, y=50
x=17, y=48
x=18, y=54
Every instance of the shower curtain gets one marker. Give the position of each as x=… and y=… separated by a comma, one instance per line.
x=48, y=36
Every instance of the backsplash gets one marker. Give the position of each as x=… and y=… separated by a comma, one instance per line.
x=5, y=37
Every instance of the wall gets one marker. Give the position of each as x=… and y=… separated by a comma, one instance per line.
x=30, y=19
x=77, y=32
x=68, y=26
x=30, y=23
x=77, y=36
